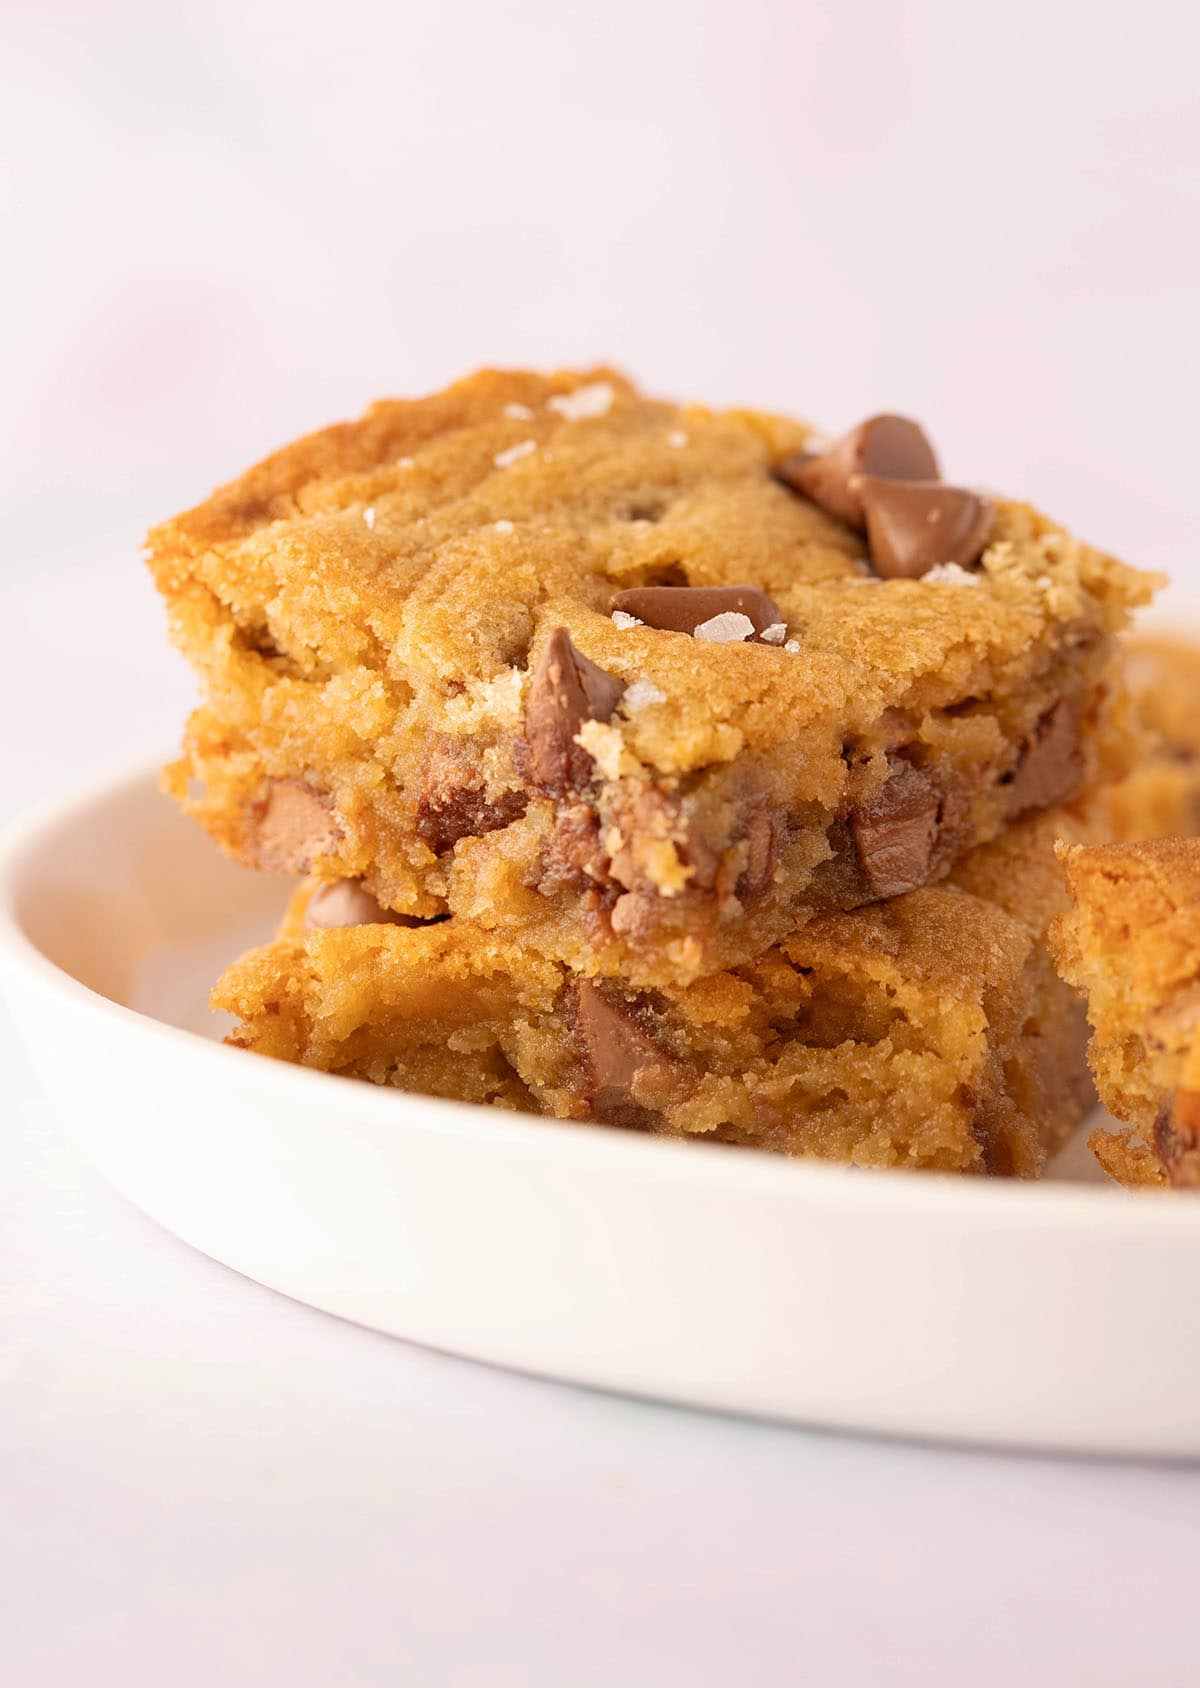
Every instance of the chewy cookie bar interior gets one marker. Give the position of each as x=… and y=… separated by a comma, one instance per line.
x=929, y=1030
x=634, y=685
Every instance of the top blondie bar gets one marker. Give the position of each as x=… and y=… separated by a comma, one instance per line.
x=647, y=683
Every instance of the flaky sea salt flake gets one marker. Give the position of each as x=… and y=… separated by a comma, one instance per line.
x=502, y=526
x=514, y=454
x=369, y=517
x=623, y=620
x=775, y=634
x=793, y=645
x=677, y=438
x=728, y=628
x=518, y=412
x=639, y=694
x=585, y=403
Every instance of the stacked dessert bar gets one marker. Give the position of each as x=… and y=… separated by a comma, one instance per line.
x=1131, y=940
x=659, y=767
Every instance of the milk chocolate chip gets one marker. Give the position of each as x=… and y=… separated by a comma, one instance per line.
x=894, y=834
x=347, y=902
x=453, y=804
x=566, y=690
x=686, y=609
x=291, y=827
x=912, y=526
x=1051, y=762
x=762, y=851
x=627, y=1074
x=889, y=446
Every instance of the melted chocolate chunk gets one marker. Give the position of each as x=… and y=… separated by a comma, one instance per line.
x=627, y=1074
x=894, y=834
x=913, y=526
x=682, y=609
x=650, y=813
x=1050, y=766
x=292, y=827
x=347, y=902
x=762, y=843
x=574, y=857
x=467, y=814
x=566, y=690
x=888, y=446
x=453, y=803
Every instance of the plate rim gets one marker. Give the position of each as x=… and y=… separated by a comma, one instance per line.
x=1005, y=1202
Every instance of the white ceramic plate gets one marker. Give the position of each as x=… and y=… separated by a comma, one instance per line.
x=1058, y=1315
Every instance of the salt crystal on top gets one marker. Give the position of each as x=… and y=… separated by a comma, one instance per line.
x=677, y=438
x=639, y=693
x=623, y=620
x=503, y=527
x=950, y=574
x=514, y=454
x=518, y=412
x=369, y=516
x=404, y=462
x=728, y=628
x=594, y=399
x=793, y=645
x=775, y=634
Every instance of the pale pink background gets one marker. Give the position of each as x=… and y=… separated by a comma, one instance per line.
x=231, y=221
x=225, y=223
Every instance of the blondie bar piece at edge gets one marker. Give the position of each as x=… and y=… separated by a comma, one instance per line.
x=637, y=686
x=1160, y=797
x=1132, y=943
x=929, y=1030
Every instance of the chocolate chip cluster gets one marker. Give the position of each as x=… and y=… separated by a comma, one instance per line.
x=883, y=478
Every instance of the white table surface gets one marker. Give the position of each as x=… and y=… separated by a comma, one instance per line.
x=203, y=1483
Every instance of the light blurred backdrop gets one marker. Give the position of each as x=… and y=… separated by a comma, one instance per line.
x=229, y=222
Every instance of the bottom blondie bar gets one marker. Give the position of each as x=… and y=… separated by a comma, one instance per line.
x=1132, y=942
x=927, y=1031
